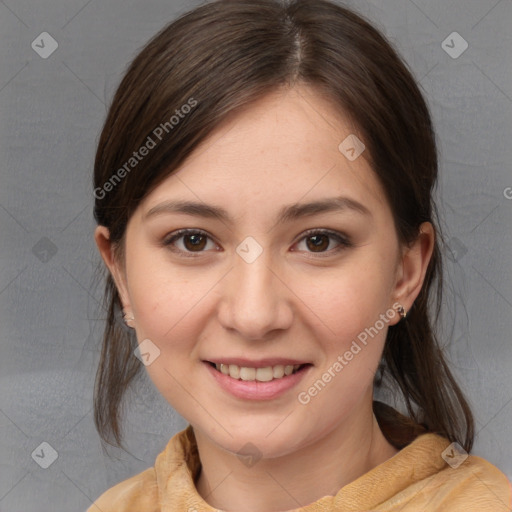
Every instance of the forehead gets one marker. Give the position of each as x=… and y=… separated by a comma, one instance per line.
x=282, y=149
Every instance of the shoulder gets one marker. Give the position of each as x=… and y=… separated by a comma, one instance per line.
x=427, y=480
x=478, y=483
x=456, y=482
x=140, y=492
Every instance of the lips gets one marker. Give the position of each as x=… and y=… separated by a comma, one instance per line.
x=254, y=380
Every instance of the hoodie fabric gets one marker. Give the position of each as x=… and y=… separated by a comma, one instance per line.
x=417, y=479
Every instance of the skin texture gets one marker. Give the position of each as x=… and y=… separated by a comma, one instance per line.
x=294, y=301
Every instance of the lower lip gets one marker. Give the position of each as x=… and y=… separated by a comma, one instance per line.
x=255, y=390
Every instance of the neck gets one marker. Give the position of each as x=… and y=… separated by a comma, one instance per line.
x=297, y=479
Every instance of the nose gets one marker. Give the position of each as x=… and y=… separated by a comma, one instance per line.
x=255, y=299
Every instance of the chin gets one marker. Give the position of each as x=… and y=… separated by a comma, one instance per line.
x=261, y=439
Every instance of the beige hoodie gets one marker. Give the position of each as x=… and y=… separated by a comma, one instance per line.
x=416, y=479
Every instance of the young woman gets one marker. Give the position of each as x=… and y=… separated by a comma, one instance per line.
x=263, y=188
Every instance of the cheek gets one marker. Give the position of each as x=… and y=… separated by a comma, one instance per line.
x=347, y=301
x=351, y=334
x=168, y=304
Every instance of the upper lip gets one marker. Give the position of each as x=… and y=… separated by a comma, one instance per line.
x=260, y=363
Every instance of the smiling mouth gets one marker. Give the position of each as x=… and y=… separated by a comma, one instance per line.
x=266, y=374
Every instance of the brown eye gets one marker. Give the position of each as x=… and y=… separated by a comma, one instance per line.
x=323, y=242
x=194, y=242
x=189, y=242
x=317, y=243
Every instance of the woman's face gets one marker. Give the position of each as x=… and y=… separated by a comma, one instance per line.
x=291, y=259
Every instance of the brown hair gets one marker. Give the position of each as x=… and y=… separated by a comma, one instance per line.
x=224, y=55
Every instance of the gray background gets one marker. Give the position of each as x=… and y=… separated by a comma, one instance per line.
x=50, y=319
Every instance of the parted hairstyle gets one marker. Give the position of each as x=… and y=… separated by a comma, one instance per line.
x=220, y=57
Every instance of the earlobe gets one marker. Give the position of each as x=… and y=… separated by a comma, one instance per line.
x=413, y=266
x=106, y=250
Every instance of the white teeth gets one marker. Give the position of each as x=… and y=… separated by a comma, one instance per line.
x=265, y=374
x=278, y=371
x=247, y=373
x=234, y=371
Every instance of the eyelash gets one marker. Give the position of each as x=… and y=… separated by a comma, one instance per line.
x=343, y=241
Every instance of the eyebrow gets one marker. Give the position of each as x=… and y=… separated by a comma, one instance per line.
x=286, y=214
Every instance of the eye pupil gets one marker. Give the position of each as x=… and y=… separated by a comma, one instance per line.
x=319, y=241
x=195, y=241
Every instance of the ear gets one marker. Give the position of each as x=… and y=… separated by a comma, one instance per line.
x=412, y=268
x=106, y=249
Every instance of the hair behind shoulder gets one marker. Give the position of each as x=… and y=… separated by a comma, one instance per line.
x=226, y=54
